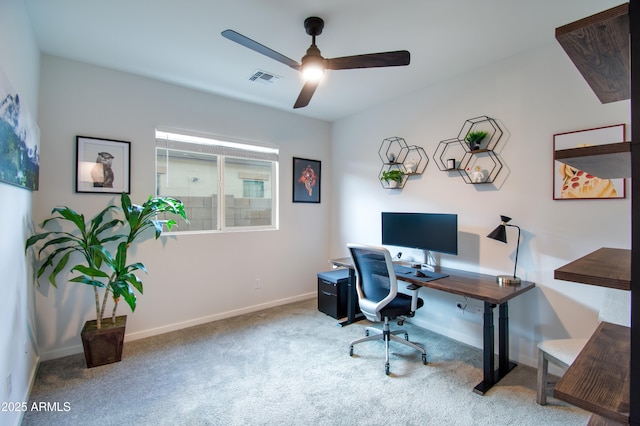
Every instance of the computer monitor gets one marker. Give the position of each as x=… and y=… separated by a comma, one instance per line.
x=425, y=231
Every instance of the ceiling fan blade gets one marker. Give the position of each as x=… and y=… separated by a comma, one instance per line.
x=371, y=60
x=305, y=94
x=257, y=47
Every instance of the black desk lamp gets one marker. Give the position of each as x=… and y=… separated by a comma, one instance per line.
x=500, y=234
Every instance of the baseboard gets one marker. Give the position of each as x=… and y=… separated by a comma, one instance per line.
x=27, y=395
x=475, y=341
x=71, y=350
x=216, y=317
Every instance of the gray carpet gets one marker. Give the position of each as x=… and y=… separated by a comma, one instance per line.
x=288, y=365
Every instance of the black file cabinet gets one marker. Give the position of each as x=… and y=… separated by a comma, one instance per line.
x=332, y=292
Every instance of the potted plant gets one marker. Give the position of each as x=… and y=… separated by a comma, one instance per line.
x=392, y=177
x=474, y=139
x=102, y=245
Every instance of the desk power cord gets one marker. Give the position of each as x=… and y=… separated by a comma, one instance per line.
x=462, y=306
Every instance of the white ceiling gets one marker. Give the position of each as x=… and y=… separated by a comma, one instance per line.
x=180, y=42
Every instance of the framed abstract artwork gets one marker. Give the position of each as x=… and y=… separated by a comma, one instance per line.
x=19, y=140
x=306, y=180
x=570, y=183
x=102, y=165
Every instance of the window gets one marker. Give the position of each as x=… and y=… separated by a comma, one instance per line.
x=224, y=185
x=253, y=189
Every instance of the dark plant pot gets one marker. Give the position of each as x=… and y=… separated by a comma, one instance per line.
x=103, y=346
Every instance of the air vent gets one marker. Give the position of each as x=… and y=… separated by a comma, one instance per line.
x=264, y=77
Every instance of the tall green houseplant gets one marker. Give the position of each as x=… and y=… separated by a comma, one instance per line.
x=103, y=244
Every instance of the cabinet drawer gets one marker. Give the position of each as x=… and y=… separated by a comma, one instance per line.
x=327, y=287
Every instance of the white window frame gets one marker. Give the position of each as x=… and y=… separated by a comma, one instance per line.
x=224, y=149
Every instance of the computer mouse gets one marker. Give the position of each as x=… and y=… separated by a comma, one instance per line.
x=419, y=273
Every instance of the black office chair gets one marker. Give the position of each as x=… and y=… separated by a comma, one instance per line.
x=379, y=299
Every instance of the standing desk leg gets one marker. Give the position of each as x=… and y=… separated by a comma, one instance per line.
x=504, y=365
x=492, y=376
x=488, y=363
x=352, y=300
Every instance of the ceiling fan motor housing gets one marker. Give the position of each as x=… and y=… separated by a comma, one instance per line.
x=313, y=55
x=313, y=25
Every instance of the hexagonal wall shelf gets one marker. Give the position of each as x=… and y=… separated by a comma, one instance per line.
x=482, y=167
x=393, y=150
x=392, y=184
x=415, y=161
x=449, y=154
x=478, y=124
x=476, y=164
x=397, y=155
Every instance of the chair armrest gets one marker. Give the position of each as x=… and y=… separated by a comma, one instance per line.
x=413, y=289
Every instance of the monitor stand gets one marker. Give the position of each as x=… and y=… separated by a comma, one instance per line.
x=430, y=262
x=430, y=268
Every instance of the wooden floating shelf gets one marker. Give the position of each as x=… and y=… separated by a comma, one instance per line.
x=599, y=47
x=605, y=267
x=599, y=378
x=610, y=161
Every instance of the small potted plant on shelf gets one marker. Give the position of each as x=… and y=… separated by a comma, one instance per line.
x=475, y=138
x=392, y=177
x=100, y=246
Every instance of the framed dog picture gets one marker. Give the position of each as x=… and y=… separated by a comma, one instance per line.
x=102, y=165
x=306, y=180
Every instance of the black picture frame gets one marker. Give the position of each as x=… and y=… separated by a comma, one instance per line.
x=103, y=165
x=306, y=180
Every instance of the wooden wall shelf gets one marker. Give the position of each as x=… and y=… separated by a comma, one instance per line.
x=599, y=378
x=610, y=161
x=599, y=47
x=605, y=267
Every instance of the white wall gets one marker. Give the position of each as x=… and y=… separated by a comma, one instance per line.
x=192, y=278
x=532, y=96
x=196, y=278
x=19, y=60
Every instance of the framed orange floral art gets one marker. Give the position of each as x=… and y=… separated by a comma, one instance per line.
x=306, y=180
x=570, y=183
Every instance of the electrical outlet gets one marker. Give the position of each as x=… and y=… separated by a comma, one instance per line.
x=258, y=284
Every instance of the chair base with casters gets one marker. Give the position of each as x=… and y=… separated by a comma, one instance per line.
x=387, y=336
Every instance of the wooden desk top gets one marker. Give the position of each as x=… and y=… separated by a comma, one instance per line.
x=464, y=283
x=598, y=380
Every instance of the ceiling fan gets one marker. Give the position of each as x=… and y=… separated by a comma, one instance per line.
x=313, y=64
